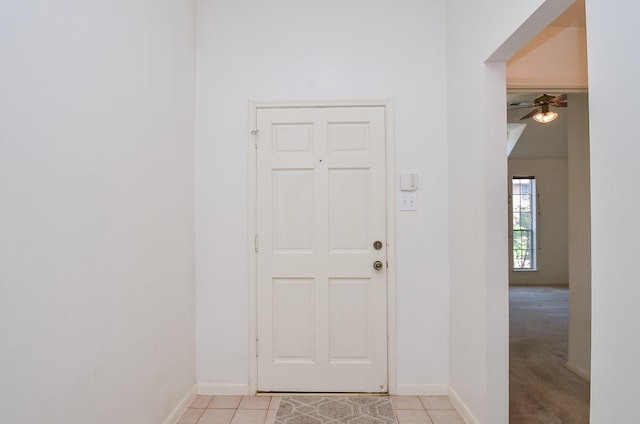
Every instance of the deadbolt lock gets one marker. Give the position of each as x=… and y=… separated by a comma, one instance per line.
x=377, y=265
x=377, y=245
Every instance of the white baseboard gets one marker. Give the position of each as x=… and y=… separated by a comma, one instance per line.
x=174, y=417
x=462, y=408
x=421, y=390
x=223, y=389
x=580, y=371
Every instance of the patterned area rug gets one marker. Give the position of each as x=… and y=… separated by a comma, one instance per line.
x=335, y=410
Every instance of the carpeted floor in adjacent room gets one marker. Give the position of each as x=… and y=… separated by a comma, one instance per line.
x=541, y=388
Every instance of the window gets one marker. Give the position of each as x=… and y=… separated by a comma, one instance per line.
x=523, y=211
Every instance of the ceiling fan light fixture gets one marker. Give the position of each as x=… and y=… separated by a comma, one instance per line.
x=542, y=104
x=545, y=117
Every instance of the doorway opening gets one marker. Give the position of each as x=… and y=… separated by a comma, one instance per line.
x=550, y=303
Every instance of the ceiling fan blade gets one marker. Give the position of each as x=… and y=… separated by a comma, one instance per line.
x=530, y=114
x=560, y=104
x=520, y=107
x=560, y=98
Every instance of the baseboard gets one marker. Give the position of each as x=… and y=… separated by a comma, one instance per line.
x=223, y=389
x=421, y=389
x=530, y=284
x=462, y=408
x=580, y=371
x=174, y=417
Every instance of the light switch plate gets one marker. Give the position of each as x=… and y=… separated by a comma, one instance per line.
x=408, y=201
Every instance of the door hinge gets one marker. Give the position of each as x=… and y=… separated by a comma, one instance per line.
x=254, y=133
x=257, y=348
x=256, y=243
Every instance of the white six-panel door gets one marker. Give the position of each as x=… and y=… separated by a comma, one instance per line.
x=322, y=307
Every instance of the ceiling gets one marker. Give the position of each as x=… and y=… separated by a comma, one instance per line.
x=543, y=140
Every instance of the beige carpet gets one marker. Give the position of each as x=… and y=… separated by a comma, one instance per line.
x=335, y=410
x=542, y=390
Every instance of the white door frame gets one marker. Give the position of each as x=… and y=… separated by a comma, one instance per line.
x=390, y=211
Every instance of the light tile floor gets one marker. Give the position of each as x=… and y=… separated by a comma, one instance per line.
x=262, y=410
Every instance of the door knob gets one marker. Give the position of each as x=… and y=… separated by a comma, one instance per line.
x=377, y=245
x=377, y=265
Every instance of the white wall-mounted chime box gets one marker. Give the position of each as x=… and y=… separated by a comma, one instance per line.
x=408, y=198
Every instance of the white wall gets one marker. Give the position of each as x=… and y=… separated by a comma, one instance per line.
x=552, y=220
x=612, y=38
x=579, y=235
x=96, y=210
x=309, y=50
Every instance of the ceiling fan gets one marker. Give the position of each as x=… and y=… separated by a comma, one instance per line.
x=542, y=113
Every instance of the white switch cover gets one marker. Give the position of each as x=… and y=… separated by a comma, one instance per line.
x=408, y=201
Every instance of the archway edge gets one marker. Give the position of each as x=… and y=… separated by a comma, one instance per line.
x=530, y=28
x=476, y=95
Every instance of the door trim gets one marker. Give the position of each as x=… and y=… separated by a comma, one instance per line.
x=387, y=104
